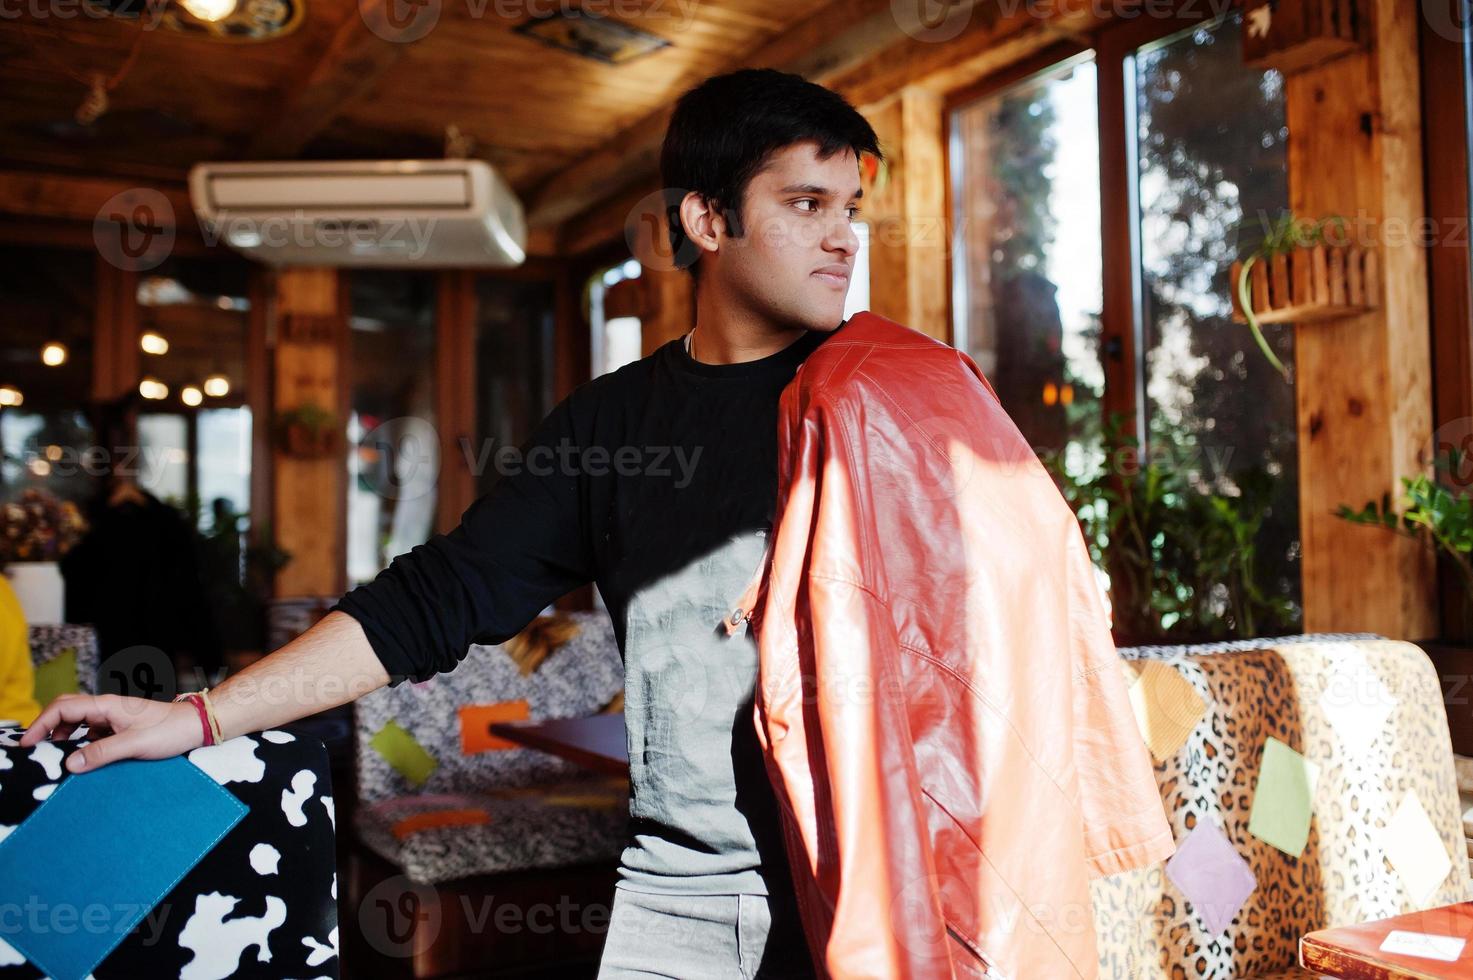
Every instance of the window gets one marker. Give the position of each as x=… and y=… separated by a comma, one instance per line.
x=1210, y=144
x=1026, y=266
x=393, y=448
x=45, y=371
x=1080, y=333
x=514, y=360
x=615, y=339
x=195, y=429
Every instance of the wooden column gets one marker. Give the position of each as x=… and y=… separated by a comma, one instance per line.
x=1363, y=384
x=669, y=307
x=455, y=394
x=309, y=499
x=909, y=273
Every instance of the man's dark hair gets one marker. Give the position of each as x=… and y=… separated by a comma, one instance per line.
x=725, y=129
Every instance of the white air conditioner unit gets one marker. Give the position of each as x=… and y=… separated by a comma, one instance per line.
x=362, y=212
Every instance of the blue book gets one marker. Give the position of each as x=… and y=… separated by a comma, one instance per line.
x=99, y=853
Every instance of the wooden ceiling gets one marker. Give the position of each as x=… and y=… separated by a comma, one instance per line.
x=333, y=89
x=568, y=132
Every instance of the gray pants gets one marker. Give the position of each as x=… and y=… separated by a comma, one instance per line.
x=704, y=937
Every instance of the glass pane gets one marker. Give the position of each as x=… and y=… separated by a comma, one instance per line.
x=1212, y=168
x=195, y=378
x=514, y=359
x=46, y=372
x=1027, y=283
x=391, y=355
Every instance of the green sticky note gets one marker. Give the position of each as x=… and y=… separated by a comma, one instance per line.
x=57, y=676
x=1283, y=799
x=403, y=752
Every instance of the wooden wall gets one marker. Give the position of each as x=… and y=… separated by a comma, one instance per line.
x=1364, y=385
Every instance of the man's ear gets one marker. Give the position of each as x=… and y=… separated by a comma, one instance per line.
x=703, y=221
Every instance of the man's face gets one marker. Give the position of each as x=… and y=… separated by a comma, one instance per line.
x=795, y=258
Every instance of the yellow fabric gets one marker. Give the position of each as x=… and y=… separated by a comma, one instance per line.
x=17, y=680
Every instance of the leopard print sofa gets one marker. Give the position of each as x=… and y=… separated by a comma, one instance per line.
x=1286, y=688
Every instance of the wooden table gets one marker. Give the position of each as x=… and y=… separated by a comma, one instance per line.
x=1355, y=953
x=597, y=742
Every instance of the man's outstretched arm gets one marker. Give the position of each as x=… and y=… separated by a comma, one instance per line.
x=330, y=664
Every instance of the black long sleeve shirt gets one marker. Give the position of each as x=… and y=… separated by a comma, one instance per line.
x=658, y=482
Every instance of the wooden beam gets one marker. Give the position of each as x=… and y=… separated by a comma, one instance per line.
x=907, y=220
x=455, y=393
x=830, y=41
x=36, y=195
x=309, y=496
x=355, y=59
x=1363, y=384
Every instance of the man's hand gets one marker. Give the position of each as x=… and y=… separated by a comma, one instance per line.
x=142, y=729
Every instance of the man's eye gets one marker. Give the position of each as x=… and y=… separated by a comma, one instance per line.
x=808, y=200
x=853, y=213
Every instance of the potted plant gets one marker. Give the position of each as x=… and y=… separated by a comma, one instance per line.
x=1299, y=273
x=308, y=431
x=1182, y=562
x=36, y=529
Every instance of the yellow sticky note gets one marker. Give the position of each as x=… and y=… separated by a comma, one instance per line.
x=403, y=752
x=57, y=676
x=1166, y=706
x=1415, y=849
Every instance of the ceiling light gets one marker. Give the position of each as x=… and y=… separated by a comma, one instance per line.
x=53, y=354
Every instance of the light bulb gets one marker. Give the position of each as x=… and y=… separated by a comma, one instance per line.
x=152, y=343
x=190, y=395
x=217, y=386
x=53, y=354
x=209, y=11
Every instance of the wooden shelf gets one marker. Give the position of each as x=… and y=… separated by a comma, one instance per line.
x=1308, y=284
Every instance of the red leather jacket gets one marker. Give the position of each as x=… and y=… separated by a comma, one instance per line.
x=941, y=706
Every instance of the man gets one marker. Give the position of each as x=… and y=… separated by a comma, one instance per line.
x=657, y=482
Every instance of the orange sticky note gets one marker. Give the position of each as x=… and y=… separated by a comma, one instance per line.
x=439, y=818
x=475, y=725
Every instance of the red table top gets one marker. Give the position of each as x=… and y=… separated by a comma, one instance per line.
x=597, y=742
x=1355, y=952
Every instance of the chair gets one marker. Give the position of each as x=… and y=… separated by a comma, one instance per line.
x=1368, y=714
x=457, y=820
x=261, y=902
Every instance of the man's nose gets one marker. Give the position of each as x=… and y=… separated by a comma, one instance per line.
x=841, y=237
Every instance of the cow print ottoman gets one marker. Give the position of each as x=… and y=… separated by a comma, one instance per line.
x=261, y=902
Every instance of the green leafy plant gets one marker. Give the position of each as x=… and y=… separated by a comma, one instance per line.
x=1286, y=234
x=1182, y=561
x=308, y=430
x=1433, y=513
